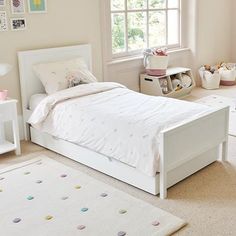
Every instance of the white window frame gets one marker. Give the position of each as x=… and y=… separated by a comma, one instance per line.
x=106, y=14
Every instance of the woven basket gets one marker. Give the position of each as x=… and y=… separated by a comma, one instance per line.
x=209, y=80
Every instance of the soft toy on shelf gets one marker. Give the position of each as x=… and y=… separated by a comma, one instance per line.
x=179, y=87
x=212, y=69
x=73, y=79
x=164, y=85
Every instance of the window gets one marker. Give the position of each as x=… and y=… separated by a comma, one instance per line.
x=139, y=24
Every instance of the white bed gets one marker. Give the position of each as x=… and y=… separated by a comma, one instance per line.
x=202, y=136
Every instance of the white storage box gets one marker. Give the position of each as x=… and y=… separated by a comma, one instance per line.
x=209, y=80
x=165, y=85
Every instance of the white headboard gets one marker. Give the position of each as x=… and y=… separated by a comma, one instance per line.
x=30, y=84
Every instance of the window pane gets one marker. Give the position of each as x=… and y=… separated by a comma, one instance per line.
x=118, y=32
x=117, y=5
x=157, y=4
x=136, y=4
x=137, y=22
x=173, y=27
x=157, y=28
x=173, y=3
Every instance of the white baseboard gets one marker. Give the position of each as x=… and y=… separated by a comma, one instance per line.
x=8, y=130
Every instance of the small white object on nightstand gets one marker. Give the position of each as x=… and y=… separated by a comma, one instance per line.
x=8, y=112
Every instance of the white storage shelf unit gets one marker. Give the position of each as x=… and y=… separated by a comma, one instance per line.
x=153, y=85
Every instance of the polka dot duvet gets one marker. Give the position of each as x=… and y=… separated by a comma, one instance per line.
x=114, y=121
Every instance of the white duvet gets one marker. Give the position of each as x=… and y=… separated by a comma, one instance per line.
x=112, y=120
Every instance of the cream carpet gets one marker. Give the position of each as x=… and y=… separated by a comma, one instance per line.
x=206, y=200
x=44, y=197
x=218, y=101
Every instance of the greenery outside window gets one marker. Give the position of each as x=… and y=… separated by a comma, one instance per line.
x=140, y=24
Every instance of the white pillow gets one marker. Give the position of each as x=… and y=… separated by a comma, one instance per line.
x=54, y=75
x=35, y=100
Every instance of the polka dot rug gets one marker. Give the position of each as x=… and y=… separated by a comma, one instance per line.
x=44, y=197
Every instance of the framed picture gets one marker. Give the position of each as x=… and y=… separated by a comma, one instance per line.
x=18, y=24
x=17, y=7
x=3, y=21
x=2, y=3
x=37, y=6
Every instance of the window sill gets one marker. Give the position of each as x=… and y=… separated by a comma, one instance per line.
x=140, y=57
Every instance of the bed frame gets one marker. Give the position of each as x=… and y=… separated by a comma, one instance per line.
x=184, y=148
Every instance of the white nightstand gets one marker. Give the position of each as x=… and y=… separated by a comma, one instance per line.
x=8, y=112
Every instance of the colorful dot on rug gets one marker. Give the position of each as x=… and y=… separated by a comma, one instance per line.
x=30, y=198
x=121, y=233
x=155, y=223
x=64, y=198
x=84, y=209
x=81, y=227
x=122, y=211
x=16, y=220
x=48, y=217
x=77, y=187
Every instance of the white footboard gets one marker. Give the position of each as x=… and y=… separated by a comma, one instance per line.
x=184, y=142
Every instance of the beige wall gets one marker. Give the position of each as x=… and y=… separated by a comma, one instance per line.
x=66, y=23
x=233, y=30
x=214, y=31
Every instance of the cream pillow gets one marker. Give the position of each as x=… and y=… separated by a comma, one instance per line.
x=54, y=75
